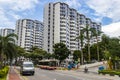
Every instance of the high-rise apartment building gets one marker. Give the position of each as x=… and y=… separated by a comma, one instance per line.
x=6, y=31
x=30, y=33
x=63, y=24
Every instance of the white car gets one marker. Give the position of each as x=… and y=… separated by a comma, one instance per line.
x=27, y=68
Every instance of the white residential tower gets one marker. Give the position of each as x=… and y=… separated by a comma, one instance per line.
x=30, y=33
x=63, y=24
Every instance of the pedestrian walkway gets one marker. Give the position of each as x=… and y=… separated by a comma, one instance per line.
x=13, y=75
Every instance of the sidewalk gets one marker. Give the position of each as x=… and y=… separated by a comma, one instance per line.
x=13, y=75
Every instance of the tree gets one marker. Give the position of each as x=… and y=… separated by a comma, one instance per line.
x=8, y=47
x=20, y=51
x=95, y=33
x=114, y=47
x=48, y=56
x=33, y=48
x=87, y=30
x=93, y=51
x=61, y=52
x=81, y=38
x=77, y=55
x=105, y=42
x=37, y=53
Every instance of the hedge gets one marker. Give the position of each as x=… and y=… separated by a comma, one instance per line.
x=111, y=72
x=4, y=71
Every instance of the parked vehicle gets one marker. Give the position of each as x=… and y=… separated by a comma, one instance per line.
x=27, y=68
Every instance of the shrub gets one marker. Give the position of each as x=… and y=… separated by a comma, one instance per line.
x=4, y=71
x=117, y=73
x=111, y=72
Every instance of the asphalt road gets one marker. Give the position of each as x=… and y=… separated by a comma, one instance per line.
x=50, y=75
x=65, y=75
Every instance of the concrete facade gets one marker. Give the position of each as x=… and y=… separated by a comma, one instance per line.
x=30, y=33
x=63, y=24
x=6, y=31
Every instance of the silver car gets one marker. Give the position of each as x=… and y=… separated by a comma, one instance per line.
x=27, y=68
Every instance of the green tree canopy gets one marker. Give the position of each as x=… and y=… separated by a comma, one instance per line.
x=114, y=47
x=76, y=55
x=8, y=47
x=61, y=52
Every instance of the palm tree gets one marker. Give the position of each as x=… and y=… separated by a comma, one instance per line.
x=95, y=33
x=87, y=30
x=81, y=38
x=7, y=46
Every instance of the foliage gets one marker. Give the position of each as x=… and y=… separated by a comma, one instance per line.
x=111, y=72
x=81, y=38
x=107, y=54
x=61, y=52
x=105, y=42
x=95, y=33
x=114, y=47
x=20, y=51
x=76, y=55
x=8, y=47
x=36, y=54
x=87, y=31
x=93, y=51
x=48, y=56
x=4, y=71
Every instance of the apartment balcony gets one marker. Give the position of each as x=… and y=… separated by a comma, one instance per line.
x=72, y=38
x=64, y=20
x=73, y=21
x=62, y=28
x=73, y=32
x=63, y=23
x=63, y=40
x=63, y=31
x=73, y=47
x=74, y=25
x=73, y=29
x=72, y=42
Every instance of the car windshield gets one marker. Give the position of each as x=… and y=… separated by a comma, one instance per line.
x=28, y=65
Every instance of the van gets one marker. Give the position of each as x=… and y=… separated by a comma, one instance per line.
x=27, y=68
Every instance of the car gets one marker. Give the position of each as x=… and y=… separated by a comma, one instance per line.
x=27, y=67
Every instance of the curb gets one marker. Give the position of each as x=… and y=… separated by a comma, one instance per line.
x=8, y=73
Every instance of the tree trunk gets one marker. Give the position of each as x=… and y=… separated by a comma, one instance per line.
x=82, y=57
x=98, y=55
x=0, y=61
x=89, y=56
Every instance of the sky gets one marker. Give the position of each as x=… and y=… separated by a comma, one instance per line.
x=106, y=12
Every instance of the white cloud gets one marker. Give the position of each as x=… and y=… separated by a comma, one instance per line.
x=73, y=3
x=106, y=8
x=10, y=10
x=18, y=5
x=5, y=22
x=13, y=15
x=113, y=30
